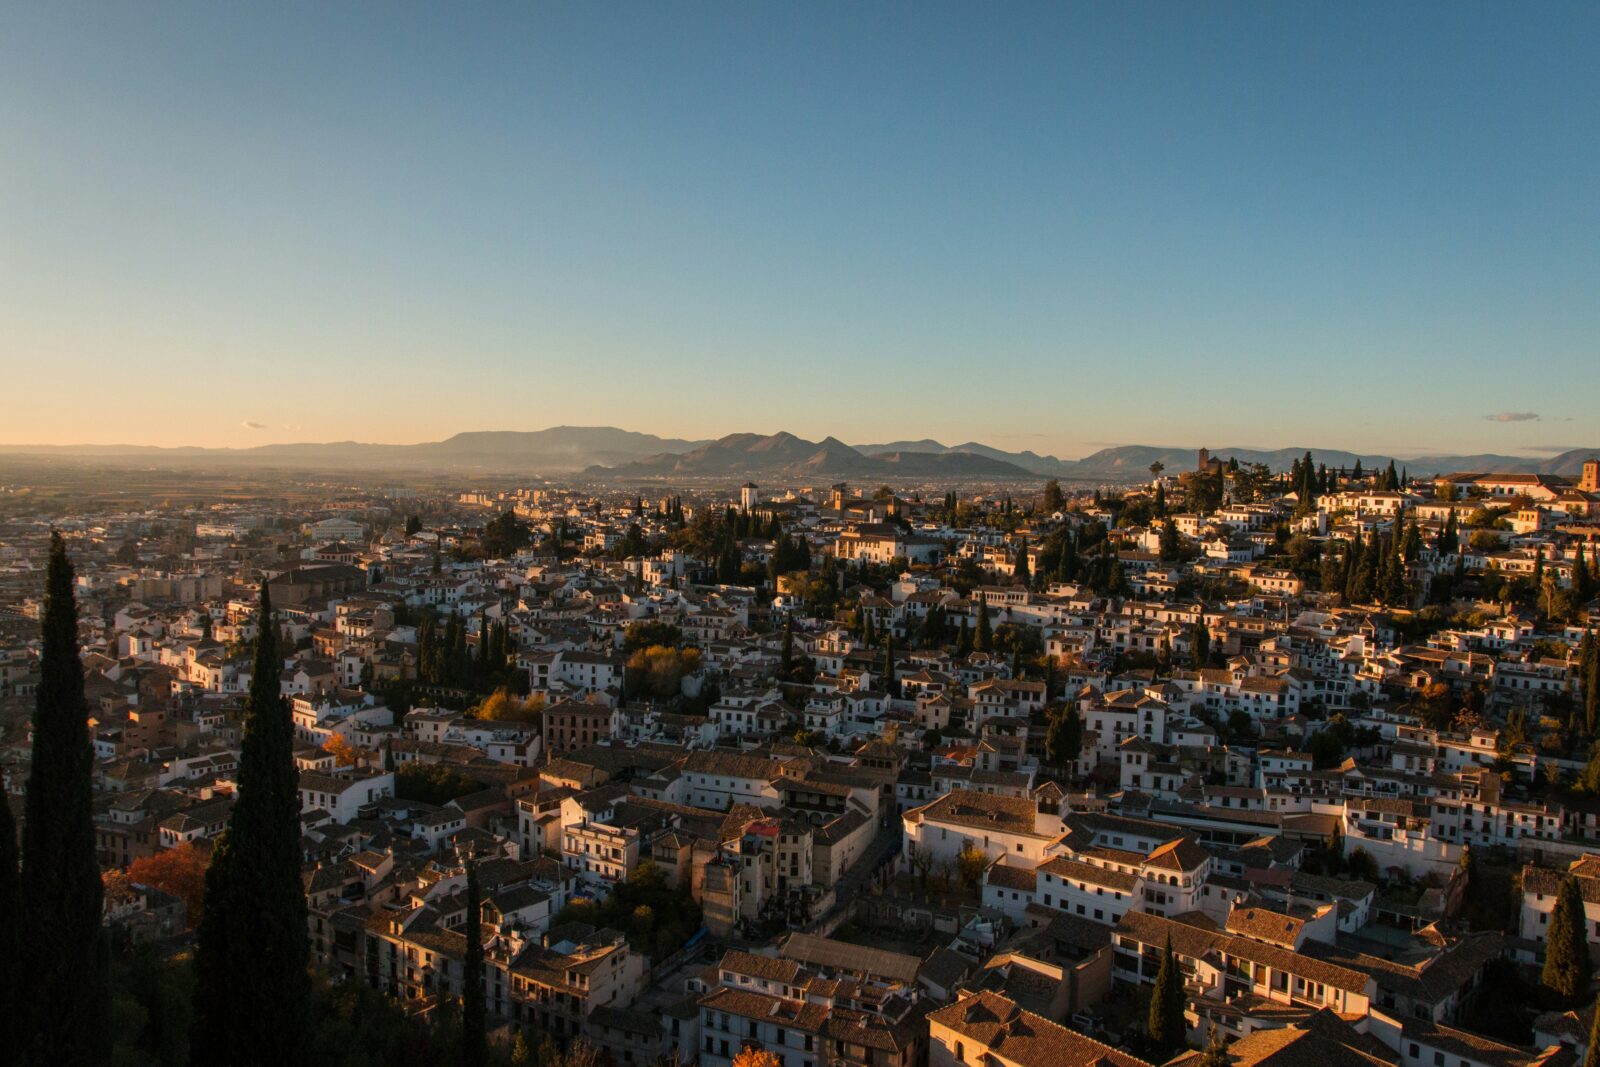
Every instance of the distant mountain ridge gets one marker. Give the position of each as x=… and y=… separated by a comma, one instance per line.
x=782, y=453
x=1132, y=462
x=557, y=450
x=605, y=452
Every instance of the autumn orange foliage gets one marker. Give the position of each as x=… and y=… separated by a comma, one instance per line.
x=180, y=871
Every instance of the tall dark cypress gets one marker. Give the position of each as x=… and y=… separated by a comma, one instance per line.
x=474, y=1023
x=1567, y=967
x=63, y=1018
x=11, y=928
x=1166, y=1026
x=252, y=989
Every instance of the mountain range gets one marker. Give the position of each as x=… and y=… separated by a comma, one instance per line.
x=748, y=454
x=608, y=453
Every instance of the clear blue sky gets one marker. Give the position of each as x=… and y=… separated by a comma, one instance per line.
x=1361, y=225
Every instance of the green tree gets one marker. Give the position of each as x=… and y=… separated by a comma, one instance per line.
x=252, y=989
x=1054, y=499
x=62, y=1020
x=983, y=640
x=11, y=943
x=1171, y=546
x=1165, y=1025
x=890, y=684
x=474, y=1018
x=1200, y=645
x=1063, y=741
x=1567, y=967
x=504, y=535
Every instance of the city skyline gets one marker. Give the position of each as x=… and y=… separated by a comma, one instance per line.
x=1056, y=230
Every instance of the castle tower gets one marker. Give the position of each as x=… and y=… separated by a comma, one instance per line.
x=1590, y=482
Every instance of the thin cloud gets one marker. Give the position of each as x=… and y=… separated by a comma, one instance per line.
x=1514, y=416
x=247, y=424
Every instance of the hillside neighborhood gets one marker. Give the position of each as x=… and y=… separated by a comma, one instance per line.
x=1234, y=764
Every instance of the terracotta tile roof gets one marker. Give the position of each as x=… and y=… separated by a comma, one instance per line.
x=998, y=1025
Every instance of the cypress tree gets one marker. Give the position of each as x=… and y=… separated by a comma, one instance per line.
x=890, y=685
x=62, y=1020
x=11, y=929
x=474, y=1017
x=1170, y=545
x=1166, y=1026
x=1591, y=691
x=1023, y=575
x=1567, y=967
x=252, y=990
x=483, y=643
x=1064, y=740
x=1394, y=589
x=1200, y=645
x=1411, y=546
x=786, y=661
x=984, y=638
x=1117, y=582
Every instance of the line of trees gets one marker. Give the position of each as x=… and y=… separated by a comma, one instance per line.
x=444, y=657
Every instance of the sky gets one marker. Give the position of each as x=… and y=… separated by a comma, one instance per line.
x=1057, y=227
